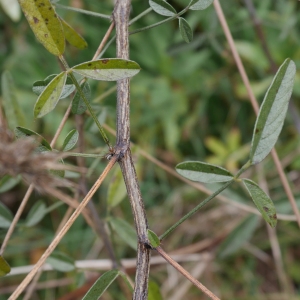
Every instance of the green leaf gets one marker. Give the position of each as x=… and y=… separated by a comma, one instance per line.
x=101, y=285
x=162, y=8
x=70, y=140
x=13, y=112
x=241, y=234
x=153, y=238
x=200, y=4
x=116, y=189
x=262, y=201
x=125, y=231
x=272, y=112
x=72, y=36
x=6, y=216
x=110, y=69
x=7, y=182
x=78, y=105
x=4, y=267
x=48, y=99
x=36, y=214
x=22, y=132
x=185, y=30
x=40, y=85
x=61, y=262
x=203, y=172
x=154, y=292
x=45, y=24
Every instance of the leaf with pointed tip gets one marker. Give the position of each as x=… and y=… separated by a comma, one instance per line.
x=6, y=216
x=72, y=36
x=48, y=99
x=109, y=69
x=22, y=132
x=153, y=238
x=200, y=4
x=12, y=9
x=162, y=8
x=185, y=30
x=7, y=182
x=70, y=140
x=262, y=201
x=61, y=262
x=40, y=85
x=272, y=112
x=101, y=285
x=154, y=291
x=13, y=112
x=36, y=213
x=78, y=104
x=203, y=172
x=125, y=231
x=45, y=24
x=4, y=267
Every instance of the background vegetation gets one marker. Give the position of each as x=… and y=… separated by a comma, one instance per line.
x=187, y=103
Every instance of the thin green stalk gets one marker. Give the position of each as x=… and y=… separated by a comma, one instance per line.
x=84, y=154
x=195, y=209
x=246, y=166
x=87, y=103
x=145, y=12
x=83, y=11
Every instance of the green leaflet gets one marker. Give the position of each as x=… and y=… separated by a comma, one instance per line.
x=200, y=4
x=101, y=285
x=272, y=112
x=72, y=36
x=36, y=213
x=262, y=201
x=61, y=262
x=78, y=105
x=110, y=69
x=70, y=140
x=153, y=238
x=6, y=216
x=162, y=8
x=4, y=267
x=45, y=24
x=185, y=30
x=48, y=99
x=203, y=172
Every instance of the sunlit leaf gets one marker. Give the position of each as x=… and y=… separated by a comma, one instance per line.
x=78, y=105
x=70, y=140
x=61, y=262
x=153, y=238
x=4, y=267
x=100, y=286
x=125, y=231
x=40, y=85
x=36, y=214
x=241, y=234
x=272, y=112
x=203, y=172
x=12, y=9
x=6, y=216
x=110, y=69
x=13, y=112
x=72, y=36
x=262, y=201
x=200, y=4
x=154, y=291
x=45, y=24
x=7, y=182
x=185, y=30
x=22, y=132
x=48, y=99
x=162, y=8
x=116, y=189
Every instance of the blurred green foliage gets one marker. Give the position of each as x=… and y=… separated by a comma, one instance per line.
x=187, y=103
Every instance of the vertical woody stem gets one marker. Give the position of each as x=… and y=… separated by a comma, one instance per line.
x=121, y=18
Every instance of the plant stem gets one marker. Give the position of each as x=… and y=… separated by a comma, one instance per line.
x=193, y=211
x=83, y=11
x=87, y=103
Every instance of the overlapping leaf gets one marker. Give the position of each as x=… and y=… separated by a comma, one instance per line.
x=200, y=4
x=185, y=30
x=272, y=112
x=61, y=262
x=45, y=24
x=36, y=213
x=78, y=104
x=262, y=201
x=203, y=172
x=48, y=99
x=4, y=267
x=162, y=8
x=70, y=140
x=6, y=216
x=110, y=69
